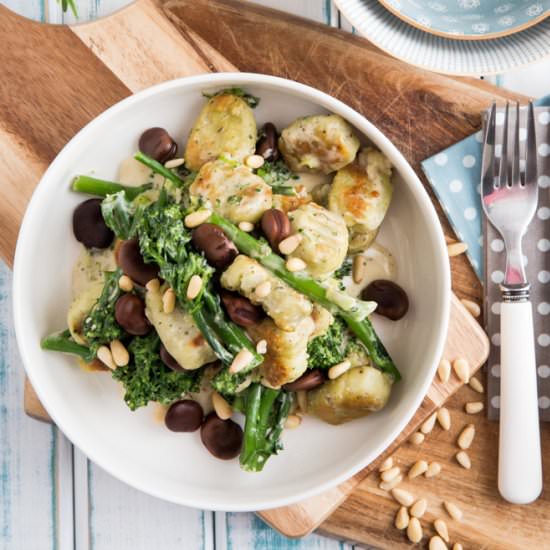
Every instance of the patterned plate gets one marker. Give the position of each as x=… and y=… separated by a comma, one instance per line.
x=441, y=54
x=470, y=19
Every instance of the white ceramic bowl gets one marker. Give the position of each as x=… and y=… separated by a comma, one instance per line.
x=135, y=447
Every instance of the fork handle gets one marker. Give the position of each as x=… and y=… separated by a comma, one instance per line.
x=519, y=462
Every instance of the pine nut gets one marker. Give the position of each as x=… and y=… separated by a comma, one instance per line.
x=457, y=546
x=290, y=244
x=168, y=301
x=196, y=218
x=434, y=468
x=222, y=408
x=174, y=163
x=247, y=227
x=386, y=465
x=476, y=385
x=419, y=508
x=261, y=347
x=463, y=459
x=444, y=418
x=293, y=421
x=194, y=287
x=466, y=436
x=359, y=269
x=403, y=497
x=453, y=510
x=390, y=474
x=295, y=264
x=105, y=356
x=244, y=384
x=263, y=289
x=441, y=529
x=449, y=240
x=462, y=370
x=125, y=283
x=301, y=397
x=402, y=518
x=417, y=438
x=242, y=360
x=455, y=249
x=428, y=424
x=120, y=354
x=389, y=485
x=339, y=369
x=418, y=468
x=444, y=370
x=472, y=307
x=153, y=285
x=473, y=407
x=254, y=161
x=414, y=530
x=436, y=543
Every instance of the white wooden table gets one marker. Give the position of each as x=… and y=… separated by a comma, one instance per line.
x=51, y=496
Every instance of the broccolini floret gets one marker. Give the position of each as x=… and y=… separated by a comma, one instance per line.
x=146, y=378
x=330, y=348
x=100, y=326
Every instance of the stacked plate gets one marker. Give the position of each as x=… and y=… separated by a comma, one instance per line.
x=460, y=37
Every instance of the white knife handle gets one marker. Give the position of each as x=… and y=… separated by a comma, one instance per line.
x=519, y=458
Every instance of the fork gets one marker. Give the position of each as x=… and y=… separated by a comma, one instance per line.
x=509, y=198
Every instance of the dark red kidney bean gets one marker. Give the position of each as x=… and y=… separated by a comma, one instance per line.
x=168, y=360
x=309, y=380
x=223, y=438
x=129, y=258
x=275, y=226
x=184, y=416
x=158, y=144
x=267, y=144
x=217, y=248
x=240, y=309
x=130, y=315
x=392, y=300
x=89, y=228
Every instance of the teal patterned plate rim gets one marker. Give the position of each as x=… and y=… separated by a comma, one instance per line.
x=470, y=19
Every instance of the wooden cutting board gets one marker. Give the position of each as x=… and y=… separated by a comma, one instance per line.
x=57, y=79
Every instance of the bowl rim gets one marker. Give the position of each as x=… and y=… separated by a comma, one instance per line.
x=202, y=500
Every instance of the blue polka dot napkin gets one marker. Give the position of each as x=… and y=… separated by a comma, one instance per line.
x=454, y=175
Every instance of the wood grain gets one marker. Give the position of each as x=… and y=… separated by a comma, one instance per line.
x=425, y=113
x=465, y=339
x=489, y=522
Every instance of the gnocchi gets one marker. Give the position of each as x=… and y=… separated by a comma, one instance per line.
x=324, y=238
x=284, y=305
x=233, y=190
x=225, y=126
x=319, y=143
x=178, y=332
x=286, y=356
x=354, y=394
x=361, y=192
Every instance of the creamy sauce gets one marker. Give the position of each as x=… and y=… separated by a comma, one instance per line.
x=381, y=264
x=133, y=173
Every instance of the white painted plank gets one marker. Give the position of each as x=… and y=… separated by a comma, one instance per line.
x=81, y=501
x=92, y=9
x=33, y=9
x=64, y=495
x=246, y=531
x=126, y=519
x=27, y=451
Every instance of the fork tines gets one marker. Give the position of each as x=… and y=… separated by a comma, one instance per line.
x=509, y=172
